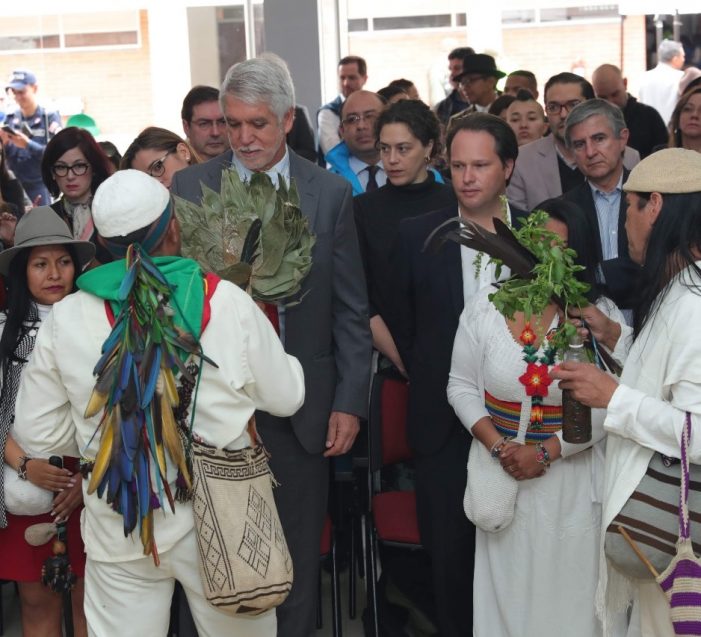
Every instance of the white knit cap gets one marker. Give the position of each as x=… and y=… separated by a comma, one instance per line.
x=128, y=201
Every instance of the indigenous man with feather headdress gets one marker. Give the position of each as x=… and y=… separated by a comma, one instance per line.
x=150, y=326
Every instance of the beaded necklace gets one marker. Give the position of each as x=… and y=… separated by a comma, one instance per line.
x=477, y=261
x=536, y=378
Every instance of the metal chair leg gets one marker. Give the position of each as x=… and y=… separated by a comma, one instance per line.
x=352, y=559
x=335, y=591
x=371, y=576
x=319, y=617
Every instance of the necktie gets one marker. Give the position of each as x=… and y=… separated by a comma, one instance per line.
x=372, y=182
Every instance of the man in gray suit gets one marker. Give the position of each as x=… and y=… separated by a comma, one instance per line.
x=328, y=330
x=546, y=168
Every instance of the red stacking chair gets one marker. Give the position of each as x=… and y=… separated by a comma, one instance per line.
x=391, y=519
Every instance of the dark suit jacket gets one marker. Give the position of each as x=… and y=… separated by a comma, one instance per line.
x=621, y=274
x=328, y=331
x=429, y=300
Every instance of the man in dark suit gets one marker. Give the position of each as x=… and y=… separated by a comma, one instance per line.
x=328, y=330
x=433, y=287
x=546, y=167
x=596, y=133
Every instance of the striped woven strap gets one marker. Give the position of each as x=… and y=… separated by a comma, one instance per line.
x=506, y=415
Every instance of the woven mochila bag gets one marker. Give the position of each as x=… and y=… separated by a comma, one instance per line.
x=245, y=565
x=681, y=580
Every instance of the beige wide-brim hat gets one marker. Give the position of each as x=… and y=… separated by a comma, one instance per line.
x=42, y=226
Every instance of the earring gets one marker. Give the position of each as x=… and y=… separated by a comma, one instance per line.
x=427, y=159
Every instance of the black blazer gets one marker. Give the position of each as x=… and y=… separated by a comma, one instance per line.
x=430, y=300
x=621, y=275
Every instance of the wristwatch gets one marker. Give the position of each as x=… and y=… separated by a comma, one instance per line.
x=22, y=469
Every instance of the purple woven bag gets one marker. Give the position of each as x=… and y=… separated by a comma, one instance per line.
x=681, y=580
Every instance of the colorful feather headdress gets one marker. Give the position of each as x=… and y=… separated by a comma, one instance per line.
x=136, y=388
x=249, y=233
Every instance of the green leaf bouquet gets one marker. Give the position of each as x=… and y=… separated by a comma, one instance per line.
x=250, y=233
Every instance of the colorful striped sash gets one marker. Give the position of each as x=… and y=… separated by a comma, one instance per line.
x=506, y=415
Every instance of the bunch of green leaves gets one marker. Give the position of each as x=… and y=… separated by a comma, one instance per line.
x=553, y=278
x=250, y=233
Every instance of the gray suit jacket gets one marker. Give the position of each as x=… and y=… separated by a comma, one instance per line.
x=329, y=330
x=536, y=176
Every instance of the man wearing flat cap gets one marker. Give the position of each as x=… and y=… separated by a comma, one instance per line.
x=133, y=560
x=657, y=399
x=478, y=82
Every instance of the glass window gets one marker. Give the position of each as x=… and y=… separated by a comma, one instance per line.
x=104, y=29
x=412, y=22
x=579, y=13
x=516, y=16
x=358, y=24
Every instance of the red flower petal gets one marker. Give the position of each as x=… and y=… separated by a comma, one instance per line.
x=527, y=336
x=536, y=380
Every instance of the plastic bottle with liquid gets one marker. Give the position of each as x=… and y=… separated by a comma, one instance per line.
x=576, y=417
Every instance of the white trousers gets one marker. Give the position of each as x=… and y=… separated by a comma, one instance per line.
x=132, y=599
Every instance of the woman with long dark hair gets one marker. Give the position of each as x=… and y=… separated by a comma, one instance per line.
x=538, y=572
x=408, y=136
x=40, y=270
x=685, y=124
x=661, y=379
x=72, y=167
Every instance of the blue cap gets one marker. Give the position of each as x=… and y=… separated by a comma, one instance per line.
x=21, y=79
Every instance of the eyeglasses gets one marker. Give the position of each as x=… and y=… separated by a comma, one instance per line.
x=554, y=108
x=205, y=124
x=355, y=119
x=62, y=170
x=157, y=168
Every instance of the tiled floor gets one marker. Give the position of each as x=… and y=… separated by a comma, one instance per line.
x=354, y=628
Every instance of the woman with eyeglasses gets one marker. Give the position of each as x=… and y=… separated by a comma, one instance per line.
x=160, y=153
x=73, y=166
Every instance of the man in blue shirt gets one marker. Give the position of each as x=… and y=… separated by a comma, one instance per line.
x=25, y=134
x=356, y=157
x=595, y=131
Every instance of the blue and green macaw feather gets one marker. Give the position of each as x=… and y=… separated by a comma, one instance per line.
x=137, y=390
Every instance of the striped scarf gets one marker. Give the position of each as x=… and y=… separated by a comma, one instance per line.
x=11, y=376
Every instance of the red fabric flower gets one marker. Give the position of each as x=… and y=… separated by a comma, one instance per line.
x=536, y=380
x=528, y=335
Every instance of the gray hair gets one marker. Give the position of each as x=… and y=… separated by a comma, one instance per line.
x=668, y=50
x=263, y=79
x=590, y=108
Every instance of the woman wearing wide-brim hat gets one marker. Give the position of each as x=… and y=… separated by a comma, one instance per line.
x=39, y=270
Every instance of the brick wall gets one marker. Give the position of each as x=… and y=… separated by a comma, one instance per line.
x=548, y=50
x=114, y=85
x=421, y=56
